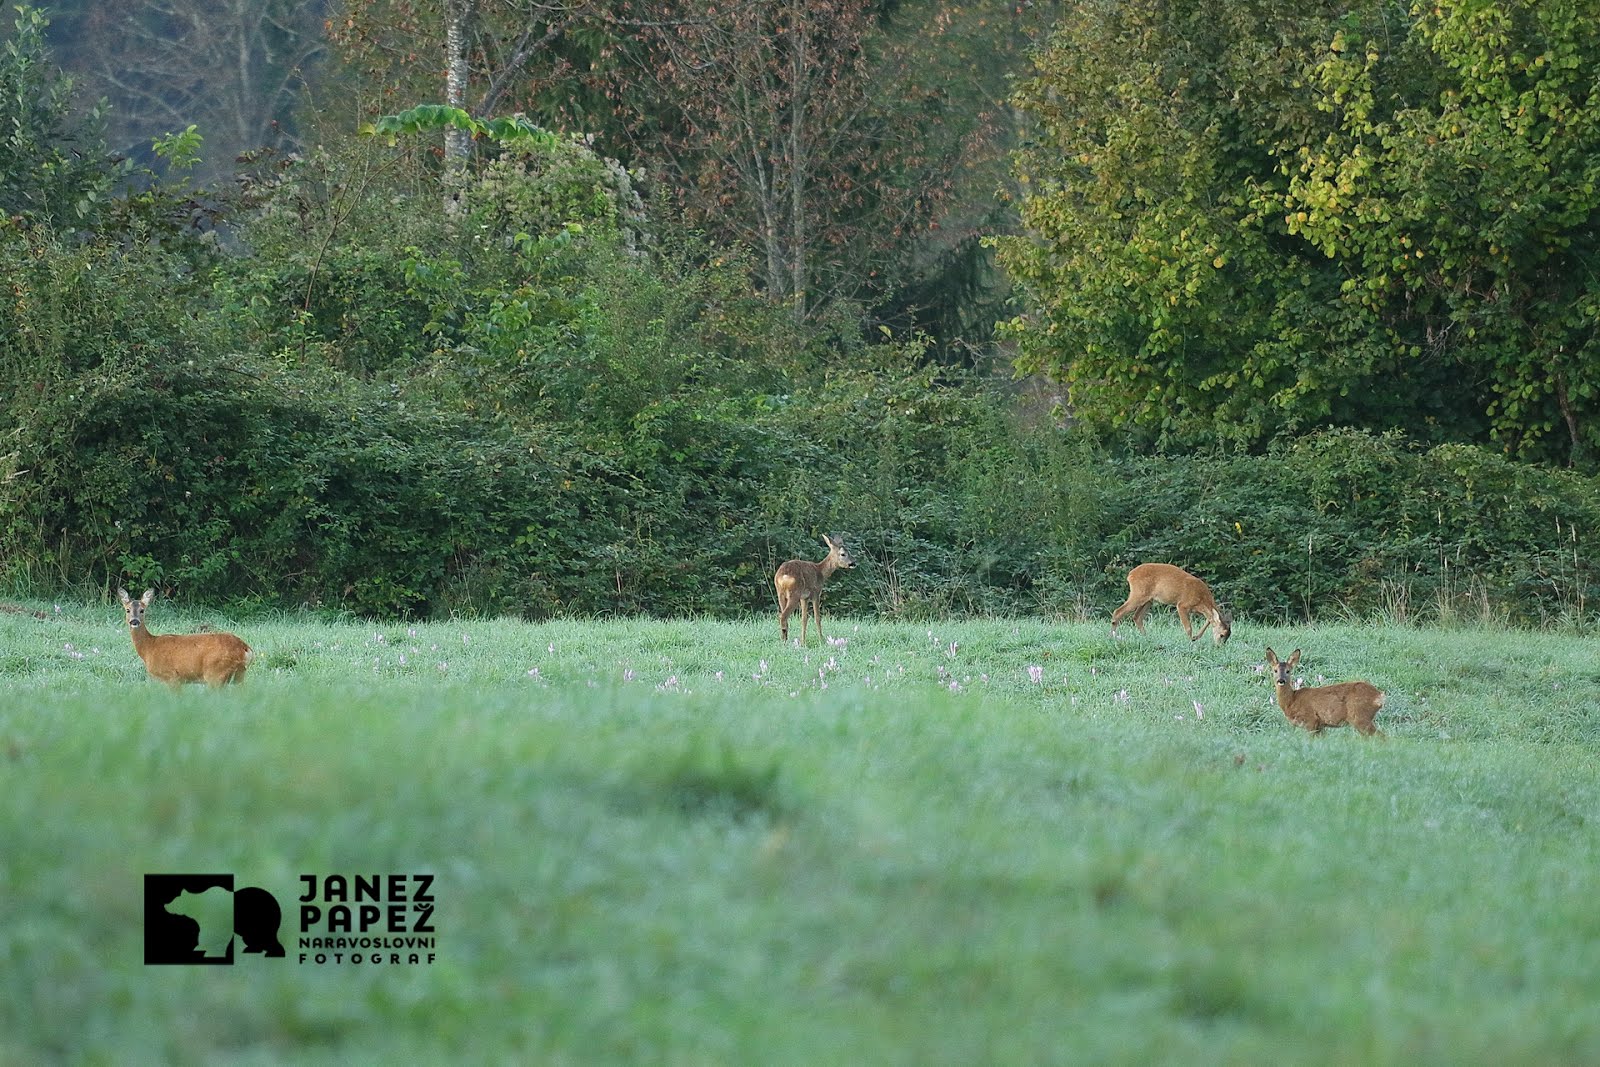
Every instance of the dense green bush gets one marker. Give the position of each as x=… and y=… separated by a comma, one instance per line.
x=234, y=479
x=358, y=402
x=1351, y=522
x=54, y=167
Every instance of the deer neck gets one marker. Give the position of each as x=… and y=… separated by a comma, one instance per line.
x=142, y=637
x=1285, y=691
x=827, y=567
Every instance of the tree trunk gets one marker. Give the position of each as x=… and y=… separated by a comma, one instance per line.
x=798, y=253
x=457, y=143
x=1579, y=454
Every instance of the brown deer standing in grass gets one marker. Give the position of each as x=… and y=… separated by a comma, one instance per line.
x=212, y=658
x=1166, y=584
x=800, y=580
x=1330, y=705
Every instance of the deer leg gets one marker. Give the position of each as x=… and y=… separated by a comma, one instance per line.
x=785, y=608
x=816, y=613
x=1188, y=627
x=1121, y=613
x=1137, y=609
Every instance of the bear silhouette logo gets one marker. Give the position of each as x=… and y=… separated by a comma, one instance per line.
x=194, y=919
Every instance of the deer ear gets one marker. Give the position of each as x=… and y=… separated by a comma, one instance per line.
x=122, y=595
x=1294, y=659
x=149, y=595
x=1271, y=658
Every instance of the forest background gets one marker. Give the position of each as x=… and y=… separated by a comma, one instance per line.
x=592, y=308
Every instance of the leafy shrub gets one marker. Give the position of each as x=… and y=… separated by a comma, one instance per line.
x=1352, y=521
x=330, y=266
x=54, y=167
x=399, y=415
x=236, y=479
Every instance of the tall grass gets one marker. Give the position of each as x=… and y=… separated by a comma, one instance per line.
x=681, y=842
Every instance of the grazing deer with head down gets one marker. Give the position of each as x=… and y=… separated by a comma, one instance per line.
x=1330, y=705
x=212, y=658
x=800, y=581
x=1163, y=583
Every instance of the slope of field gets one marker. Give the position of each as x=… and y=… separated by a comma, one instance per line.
x=681, y=842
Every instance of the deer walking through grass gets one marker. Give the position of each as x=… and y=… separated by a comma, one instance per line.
x=213, y=658
x=1163, y=583
x=800, y=581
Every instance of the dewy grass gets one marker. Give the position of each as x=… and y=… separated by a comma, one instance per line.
x=980, y=842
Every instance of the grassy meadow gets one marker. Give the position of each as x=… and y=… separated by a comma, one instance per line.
x=680, y=842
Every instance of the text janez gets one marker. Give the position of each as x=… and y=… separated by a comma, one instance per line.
x=382, y=908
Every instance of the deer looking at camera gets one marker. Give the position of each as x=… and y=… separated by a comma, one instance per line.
x=1330, y=705
x=212, y=658
x=799, y=581
x=1161, y=582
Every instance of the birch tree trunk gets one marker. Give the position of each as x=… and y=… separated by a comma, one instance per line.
x=457, y=143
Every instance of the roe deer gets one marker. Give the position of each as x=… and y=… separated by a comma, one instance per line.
x=212, y=658
x=1164, y=583
x=800, y=580
x=1329, y=705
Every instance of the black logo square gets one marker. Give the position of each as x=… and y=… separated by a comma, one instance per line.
x=194, y=918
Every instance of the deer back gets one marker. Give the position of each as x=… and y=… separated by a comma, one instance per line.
x=212, y=658
x=1331, y=705
x=1167, y=584
x=803, y=578
x=800, y=577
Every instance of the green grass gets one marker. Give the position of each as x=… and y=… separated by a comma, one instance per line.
x=680, y=842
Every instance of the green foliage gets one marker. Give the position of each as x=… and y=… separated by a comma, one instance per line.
x=1457, y=179
x=331, y=271
x=539, y=182
x=218, y=476
x=1155, y=294
x=672, y=491
x=543, y=194
x=1256, y=221
x=1346, y=521
x=353, y=264
x=74, y=307
x=514, y=131
x=533, y=406
x=181, y=149
x=53, y=163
